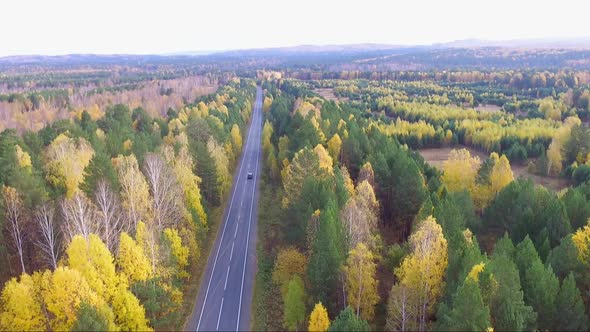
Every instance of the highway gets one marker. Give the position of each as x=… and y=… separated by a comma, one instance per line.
x=225, y=294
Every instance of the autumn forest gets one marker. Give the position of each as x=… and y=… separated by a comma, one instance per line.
x=406, y=189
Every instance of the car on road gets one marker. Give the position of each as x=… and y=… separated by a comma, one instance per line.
x=250, y=176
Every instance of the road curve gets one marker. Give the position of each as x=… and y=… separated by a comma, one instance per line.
x=225, y=294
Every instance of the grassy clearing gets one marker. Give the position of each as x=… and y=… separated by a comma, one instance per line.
x=437, y=156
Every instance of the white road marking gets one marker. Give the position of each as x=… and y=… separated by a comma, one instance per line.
x=249, y=141
x=226, y=277
x=237, y=225
x=231, y=254
x=219, y=316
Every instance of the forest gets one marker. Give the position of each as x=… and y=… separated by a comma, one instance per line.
x=409, y=189
x=359, y=232
x=104, y=219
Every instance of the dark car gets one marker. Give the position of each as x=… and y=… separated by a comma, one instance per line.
x=250, y=176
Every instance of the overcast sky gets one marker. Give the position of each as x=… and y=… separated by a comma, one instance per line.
x=123, y=26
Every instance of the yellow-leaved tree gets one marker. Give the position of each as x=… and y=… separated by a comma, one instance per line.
x=132, y=261
x=236, y=139
x=501, y=174
x=20, y=309
x=134, y=189
x=324, y=157
x=460, y=171
x=221, y=165
x=129, y=313
x=360, y=282
x=421, y=275
x=289, y=263
x=581, y=240
x=334, y=147
x=66, y=159
x=318, y=319
x=95, y=262
x=177, y=254
x=63, y=290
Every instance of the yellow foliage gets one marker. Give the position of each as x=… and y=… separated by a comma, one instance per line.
x=422, y=271
x=129, y=313
x=135, y=190
x=95, y=262
x=361, y=284
x=63, y=291
x=178, y=252
x=460, y=171
x=132, y=261
x=267, y=103
x=324, y=157
x=334, y=146
x=221, y=165
x=555, y=158
x=289, y=262
x=475, y=271
x=100, y=134
x=183, y=169
x=128, y=145
x=267, y=131
x=66, y=160
x=582, y=242
x=23, y=158
x=318, y=319
x=501, y=174
x=20, y=309
x=236, y=139
x=348, y=184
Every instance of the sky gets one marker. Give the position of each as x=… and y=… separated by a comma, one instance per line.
x=53, y=27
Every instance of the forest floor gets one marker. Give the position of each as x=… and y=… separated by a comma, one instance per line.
x=437, y=156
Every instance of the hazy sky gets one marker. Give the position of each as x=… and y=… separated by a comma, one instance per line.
x=122, y=26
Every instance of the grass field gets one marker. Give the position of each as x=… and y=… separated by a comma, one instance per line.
x=437, y=156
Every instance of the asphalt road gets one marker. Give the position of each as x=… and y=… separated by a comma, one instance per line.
x=225, y=296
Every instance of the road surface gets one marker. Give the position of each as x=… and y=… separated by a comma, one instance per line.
x=225, y=295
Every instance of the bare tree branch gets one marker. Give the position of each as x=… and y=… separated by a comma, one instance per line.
x=14, y=210
x=165, y=190
x=109, y=215
x=49, y=239
x=79, y=216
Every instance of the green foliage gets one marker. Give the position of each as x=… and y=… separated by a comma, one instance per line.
x=468, y=313
x=88, y=318
x=521, y=209
x=326, y=257
x=100, y=168
x=569, y=307
x=347, y=321
x=294, y=313
x=577, y=207
x=160, y=308
x=507, y=307
x=401, y=189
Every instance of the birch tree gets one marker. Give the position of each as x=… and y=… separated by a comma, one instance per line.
x=16, y=220
x=48, y=241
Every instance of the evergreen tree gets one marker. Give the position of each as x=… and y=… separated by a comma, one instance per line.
x=570, y=309
x=507, y=307
x=469, y=313
x=347, y=321
x=89, y=319
x=326, y=256
x=99, y=168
